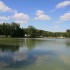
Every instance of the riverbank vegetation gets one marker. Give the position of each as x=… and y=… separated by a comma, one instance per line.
x=14, y=30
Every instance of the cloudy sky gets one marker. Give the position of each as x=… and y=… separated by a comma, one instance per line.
x=49, y=15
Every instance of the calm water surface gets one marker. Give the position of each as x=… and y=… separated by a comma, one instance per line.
x=34, y=54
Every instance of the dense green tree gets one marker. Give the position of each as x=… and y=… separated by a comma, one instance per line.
x=14, y=30
x=68, y=33
x=31, y=32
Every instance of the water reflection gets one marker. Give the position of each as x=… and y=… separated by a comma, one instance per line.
x=68, y=42
x=47, y=53
x=12, y=48
x=11, y=57
x=30, y=43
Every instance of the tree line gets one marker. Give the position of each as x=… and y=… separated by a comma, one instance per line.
x=14, y=30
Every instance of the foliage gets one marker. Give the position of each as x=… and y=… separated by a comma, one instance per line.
x=14, y=30
x=68, y=33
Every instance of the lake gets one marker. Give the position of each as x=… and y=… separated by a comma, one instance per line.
x=34, y=54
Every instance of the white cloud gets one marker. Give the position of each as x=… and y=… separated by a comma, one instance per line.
x=4, y=18
x=39, y=12
x=58, y=22
x=20, y=21
x=20, y=17
x=4, y=8
x=56, y=26
x=16, y=17
x=65, y=17
x=63, y=4
x=40, y=15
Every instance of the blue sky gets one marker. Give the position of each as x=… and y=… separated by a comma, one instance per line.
x=49, y=15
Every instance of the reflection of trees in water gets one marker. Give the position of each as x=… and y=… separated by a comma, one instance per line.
x=30, y=43
x=9, y=41
x=25, y=58
x=9, y=48
x=10, y=44
x=68, y=43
